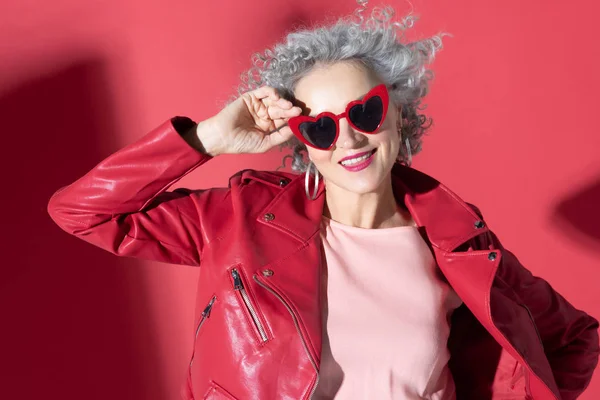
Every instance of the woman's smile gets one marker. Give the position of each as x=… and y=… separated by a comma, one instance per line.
x=359, y=163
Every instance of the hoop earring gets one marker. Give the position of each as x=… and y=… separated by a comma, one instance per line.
x=408, y=152
x=408, y=159
x=307, y=181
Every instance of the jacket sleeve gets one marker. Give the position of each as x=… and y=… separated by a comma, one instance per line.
x=569, y=335
x=122, y=205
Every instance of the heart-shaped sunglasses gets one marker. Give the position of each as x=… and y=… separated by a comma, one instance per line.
x=365, y=115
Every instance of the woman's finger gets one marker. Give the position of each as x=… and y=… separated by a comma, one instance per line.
x=265, y=92
x=282, y=103
x=285, y=104
x=280, y=113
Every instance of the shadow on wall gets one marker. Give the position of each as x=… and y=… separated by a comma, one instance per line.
x=75, y=323
x=579, y=216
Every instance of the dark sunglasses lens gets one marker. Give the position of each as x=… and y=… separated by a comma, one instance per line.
x=320, y=133
x=367, y=116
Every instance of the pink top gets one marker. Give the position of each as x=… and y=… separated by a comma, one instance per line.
x=387, y=316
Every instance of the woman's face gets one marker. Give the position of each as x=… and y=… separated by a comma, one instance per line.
x=331, y=88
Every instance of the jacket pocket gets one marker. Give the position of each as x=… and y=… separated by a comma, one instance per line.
x=216, y=392
x=533, y=323
x=242, y=292
x=204, y=316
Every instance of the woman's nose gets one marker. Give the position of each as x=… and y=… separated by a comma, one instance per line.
x=348, y=137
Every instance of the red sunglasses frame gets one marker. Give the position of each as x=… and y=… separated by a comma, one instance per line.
x=379, y=90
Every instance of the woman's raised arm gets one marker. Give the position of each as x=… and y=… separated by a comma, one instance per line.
x=122, y=205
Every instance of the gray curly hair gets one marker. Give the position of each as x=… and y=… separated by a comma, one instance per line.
x=371, y=42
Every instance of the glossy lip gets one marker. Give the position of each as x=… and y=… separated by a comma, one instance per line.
x=356, y=155
x=360, y=166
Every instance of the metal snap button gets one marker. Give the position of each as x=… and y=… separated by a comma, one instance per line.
x=492, y=256
x=269, y=217
x=479, y=224
x=268, y=272
x=283, y=182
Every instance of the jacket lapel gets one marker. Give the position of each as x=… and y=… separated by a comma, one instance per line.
x=449, y=223
x=446, y=220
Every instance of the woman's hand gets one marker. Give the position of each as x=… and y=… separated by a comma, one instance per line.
x=253, y=123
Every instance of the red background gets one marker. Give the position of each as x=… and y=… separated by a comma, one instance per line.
x=514, y=102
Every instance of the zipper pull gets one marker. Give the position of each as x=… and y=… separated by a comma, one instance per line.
x=237, y=280
x=206, y=312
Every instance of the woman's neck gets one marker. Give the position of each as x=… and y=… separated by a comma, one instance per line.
x=373, y=210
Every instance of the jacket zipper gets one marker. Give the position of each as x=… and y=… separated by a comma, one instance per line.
x=312, y=361
x=205, y=315
x=238, y=285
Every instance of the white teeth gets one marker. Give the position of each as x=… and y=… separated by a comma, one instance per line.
x=357, y=160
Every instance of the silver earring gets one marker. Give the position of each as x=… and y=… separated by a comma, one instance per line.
x=307, y=181
x=408, y=152
x=408, y=158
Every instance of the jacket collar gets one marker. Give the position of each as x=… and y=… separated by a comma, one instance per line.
x=446, y=219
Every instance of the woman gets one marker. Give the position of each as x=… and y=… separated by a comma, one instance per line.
x=361, y=278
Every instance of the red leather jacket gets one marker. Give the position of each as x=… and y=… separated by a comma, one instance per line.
x=257, y=241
